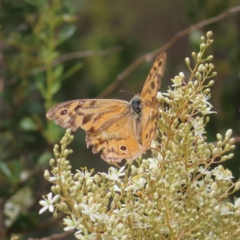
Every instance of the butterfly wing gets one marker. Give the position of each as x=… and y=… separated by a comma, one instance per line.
x=89, y=114
x=109, y=126
x=149, y=100
x=118, y=140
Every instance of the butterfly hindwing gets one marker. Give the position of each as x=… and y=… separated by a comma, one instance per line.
x=118, y=141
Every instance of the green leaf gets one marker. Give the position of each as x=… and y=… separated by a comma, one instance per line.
x=58, y=70
x=71, y=71
x=44, y=158
x=44, y=53
x=66, y=32
x=4, y=169
x=13, y=171
x=40, y=84
x=55, y=87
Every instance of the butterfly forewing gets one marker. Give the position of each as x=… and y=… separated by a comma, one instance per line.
x=153, y=81
x=89, y=114
x=149, y=100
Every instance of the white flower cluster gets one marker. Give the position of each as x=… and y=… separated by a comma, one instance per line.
x=178, y=193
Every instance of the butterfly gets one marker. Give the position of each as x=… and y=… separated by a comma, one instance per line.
x=117, y=128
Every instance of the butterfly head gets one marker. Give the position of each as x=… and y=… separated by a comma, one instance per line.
x=136, y=106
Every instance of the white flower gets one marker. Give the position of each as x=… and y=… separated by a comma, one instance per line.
x=48, y=203
x=159, y=96
x=89, y=210
x=154, y=163
x=204, y=98
x=178, y=80
x=203, y=170
x=116, y=188
x=92, y=236
x=208, y=111
x=125, y=212
x=103, y=217
x=84, y=173
x=198, y=129
x=137, y=184
x=225, y=211
x=237, y=202
x=141, y=225
x=114, y=174
x=221, y=174
x=71, y=224
x=78, y=235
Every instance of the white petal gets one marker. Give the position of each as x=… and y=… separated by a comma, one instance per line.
x=55, y=198
x=51, y=208
x=43, y=203
x=49, y=196
x=43, y=209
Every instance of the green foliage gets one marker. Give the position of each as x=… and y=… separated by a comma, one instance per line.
x=178, y=193
x=30, y=54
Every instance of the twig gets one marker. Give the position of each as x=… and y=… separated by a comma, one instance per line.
x=88, y=53
x=81, y=54
x=237, y=139
x=170, y=43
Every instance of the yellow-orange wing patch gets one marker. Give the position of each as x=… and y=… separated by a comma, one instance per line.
x=149, y=100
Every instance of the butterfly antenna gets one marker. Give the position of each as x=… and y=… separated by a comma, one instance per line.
x=126, y=92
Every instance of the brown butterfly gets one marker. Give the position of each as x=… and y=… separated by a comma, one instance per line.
x=122, y=130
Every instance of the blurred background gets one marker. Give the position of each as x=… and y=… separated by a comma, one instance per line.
x=59, y=50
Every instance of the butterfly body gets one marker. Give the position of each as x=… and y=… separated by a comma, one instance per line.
x=121, y=129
